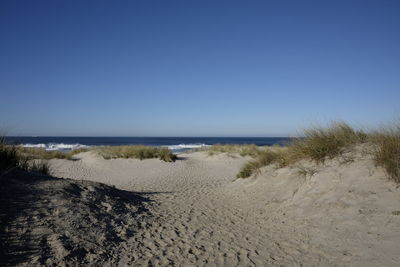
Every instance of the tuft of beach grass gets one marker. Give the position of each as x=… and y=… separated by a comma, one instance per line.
x=11, y=158
x=386, y=150
x=243, y=150
x=321, y=143
x=136, y=151
x=41, y=153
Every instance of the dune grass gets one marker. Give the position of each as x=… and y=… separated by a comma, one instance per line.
x=243, y=150
x=8, y=156
x=137, y=151
x=41, y=153
x=39, y=166
x=387, y=150
x=318, y=144
x=11, y=158
x=264, y=158
x=35, y=159
x=14, y=156
x=107, y=152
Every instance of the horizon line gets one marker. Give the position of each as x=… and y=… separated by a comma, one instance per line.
x=102, y=136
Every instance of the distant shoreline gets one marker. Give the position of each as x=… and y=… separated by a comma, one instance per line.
x=175, y=144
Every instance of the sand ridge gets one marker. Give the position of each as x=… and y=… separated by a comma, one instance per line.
x=204, y=216
x=47, y=221
x=199, y=214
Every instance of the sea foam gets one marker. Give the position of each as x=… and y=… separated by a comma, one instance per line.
x=56, y=146
x=182, y=147
x=70, y=147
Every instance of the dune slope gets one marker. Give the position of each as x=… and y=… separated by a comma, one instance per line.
x=341, y=213
x=51, y=221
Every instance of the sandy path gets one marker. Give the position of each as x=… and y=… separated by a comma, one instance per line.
x=201, y=216
x=196, y=219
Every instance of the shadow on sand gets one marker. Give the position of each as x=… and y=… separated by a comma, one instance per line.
x=39, y=211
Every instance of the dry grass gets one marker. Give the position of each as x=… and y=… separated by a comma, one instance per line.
x=387, y=150
x=242, y=150
x=318, y=144
x=137, y=152
x=305, y=171
x=11, y=158
x=14, y=155
x=8, y=155
x=41, y=153
x=35, y=159
x=264, y=158
x=39, y=166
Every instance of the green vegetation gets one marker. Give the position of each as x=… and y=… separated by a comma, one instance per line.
x=35, y=159
x=40, y=166
x=137, y=152
x=320, y=144
x=8, y=156
x=317, y=145
x=264, y=158
x=11, y=158
x=41, y=153
x=32, y=159
x=387, y=150
x=107, y=152
x=242, y=150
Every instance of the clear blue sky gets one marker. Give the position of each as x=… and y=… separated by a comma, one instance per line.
x=196, y=68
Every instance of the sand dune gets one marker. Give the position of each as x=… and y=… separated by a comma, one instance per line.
x=336, y=214
x=53, y=222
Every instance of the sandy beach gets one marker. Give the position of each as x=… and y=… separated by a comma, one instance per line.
x=194, y=212
x=199, y=133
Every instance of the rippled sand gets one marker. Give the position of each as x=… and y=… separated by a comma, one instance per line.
x=195, y=212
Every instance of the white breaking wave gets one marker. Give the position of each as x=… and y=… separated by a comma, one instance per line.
x=69, y=147
x=186, y=146
x=56, y=147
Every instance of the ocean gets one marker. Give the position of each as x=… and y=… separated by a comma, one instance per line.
x=176, y=144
